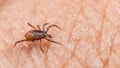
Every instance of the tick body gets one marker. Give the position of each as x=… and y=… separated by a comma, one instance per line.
x=38, y=34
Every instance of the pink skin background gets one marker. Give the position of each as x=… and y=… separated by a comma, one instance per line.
x=90, y=33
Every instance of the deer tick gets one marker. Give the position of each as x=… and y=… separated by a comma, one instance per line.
x=37, y=34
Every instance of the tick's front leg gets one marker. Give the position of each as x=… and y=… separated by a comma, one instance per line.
x=31, y=26
x=41, y=47
x=53, y=41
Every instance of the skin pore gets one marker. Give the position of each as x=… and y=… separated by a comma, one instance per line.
x=90, y=33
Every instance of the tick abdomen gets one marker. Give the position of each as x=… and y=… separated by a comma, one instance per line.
x=34, y=35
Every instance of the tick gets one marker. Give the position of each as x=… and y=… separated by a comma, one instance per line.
x=37, y=34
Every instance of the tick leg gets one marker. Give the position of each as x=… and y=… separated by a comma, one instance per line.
x=38, y=27
x=19, y=41
x=53, y=41
x=48, y=28
x=32, y=43
x=41, y=47
x=31, y=25
x=31, y=47
x=44, y=26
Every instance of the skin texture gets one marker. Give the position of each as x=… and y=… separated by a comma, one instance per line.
x=90, y=33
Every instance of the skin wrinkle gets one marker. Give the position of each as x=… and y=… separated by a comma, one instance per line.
x=90, y=26
x=100, y=39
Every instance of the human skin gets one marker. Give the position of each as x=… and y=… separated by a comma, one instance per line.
x=90, y=33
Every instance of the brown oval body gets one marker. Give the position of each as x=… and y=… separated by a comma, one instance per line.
x=35, y=35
